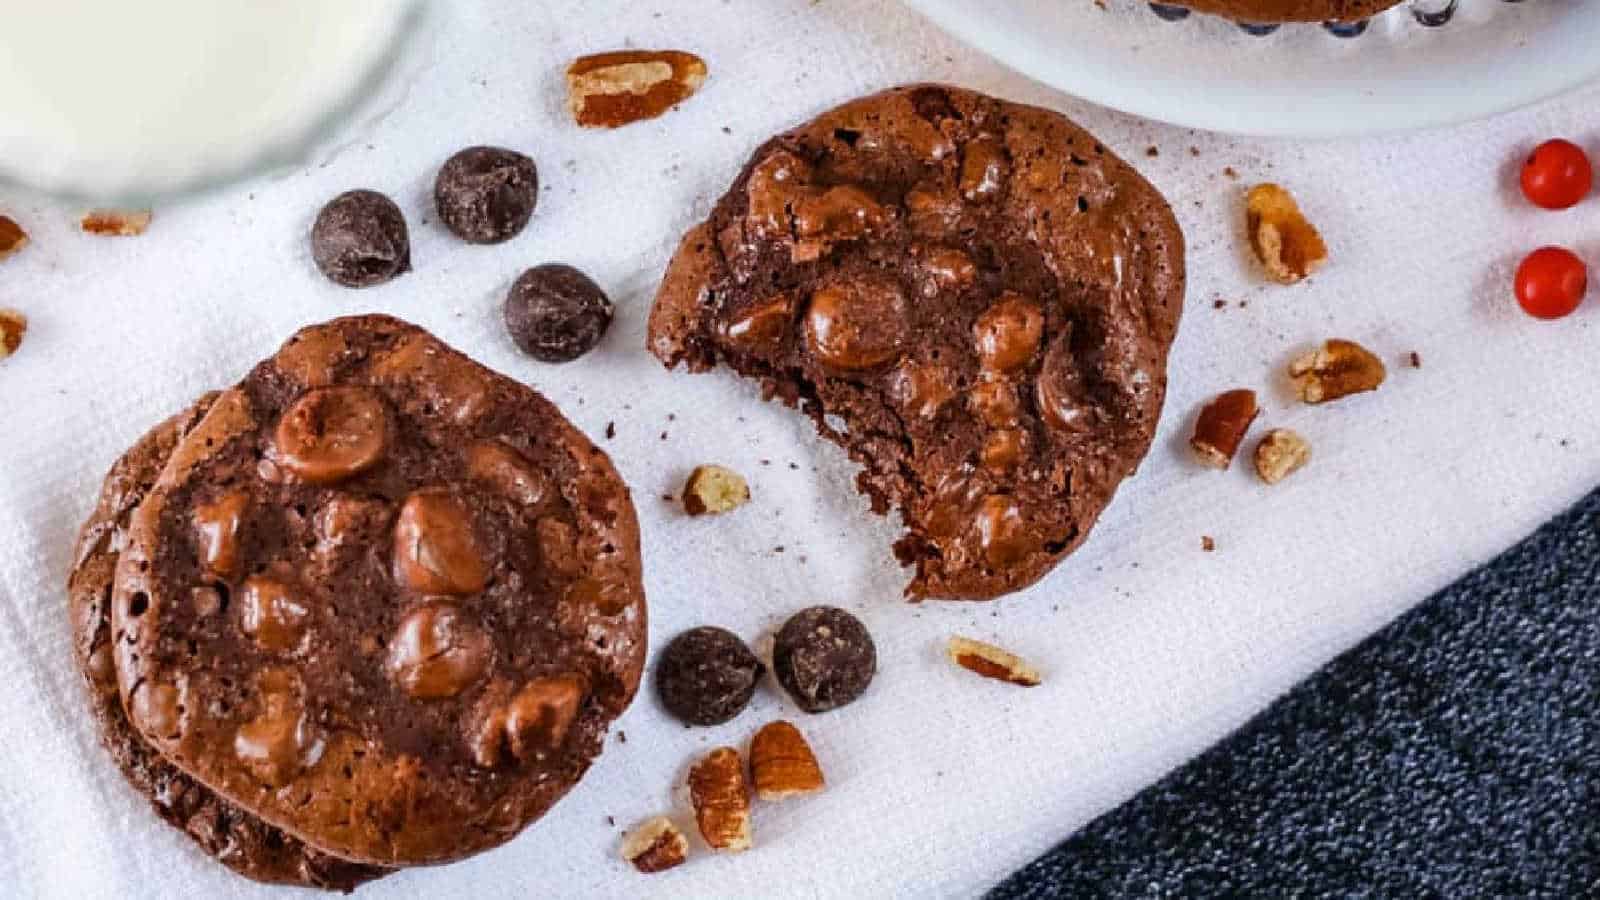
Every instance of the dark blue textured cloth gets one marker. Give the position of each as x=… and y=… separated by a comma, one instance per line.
x=1455, y=754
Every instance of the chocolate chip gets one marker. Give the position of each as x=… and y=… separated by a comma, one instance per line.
x=486, y=195
x=706, y=676
x=824, y=658
x=435, y=549
x=556, y=313
x=438, y=652
x=360, y=239
x=332, y=433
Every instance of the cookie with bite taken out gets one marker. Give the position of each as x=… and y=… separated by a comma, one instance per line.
x=974, y=298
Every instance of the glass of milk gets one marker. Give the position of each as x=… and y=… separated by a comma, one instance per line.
x=111, y=99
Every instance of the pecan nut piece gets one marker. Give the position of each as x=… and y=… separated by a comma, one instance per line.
x=721, y=798
x=116, y=222
x=13, y=325
x=1287, y=244
x=12, y=237
x=609, y=90
x=655, y=846
x=992, y=662
x=713, y=490
x=782, y=764
x=1222, y=426
x=1337, y=369
x=1280, y=454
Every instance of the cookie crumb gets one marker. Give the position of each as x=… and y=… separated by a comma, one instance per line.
x=1207, y=543
x=1152, y=151
x=611, y=430
x=1219, y=303
x=1230, y=172
x=1414, y=359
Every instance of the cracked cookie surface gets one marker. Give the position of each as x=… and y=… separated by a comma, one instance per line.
x=974, y=298
x=381, y=597
x=222, y=830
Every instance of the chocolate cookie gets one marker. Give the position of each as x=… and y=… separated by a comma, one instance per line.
x=1273, y=11
x=225, y=832
x=382, y=597
x=974, y=298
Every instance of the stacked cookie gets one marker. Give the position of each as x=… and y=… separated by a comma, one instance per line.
x=374, y=606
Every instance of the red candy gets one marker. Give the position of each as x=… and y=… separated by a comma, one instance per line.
x=1551, y=282
x=1557, y=175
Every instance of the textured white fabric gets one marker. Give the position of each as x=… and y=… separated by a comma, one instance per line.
x=939, y=783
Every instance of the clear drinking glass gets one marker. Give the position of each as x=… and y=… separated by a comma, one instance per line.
x=111, y=102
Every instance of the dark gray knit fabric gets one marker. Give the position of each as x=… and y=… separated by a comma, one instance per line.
x=1455, y=754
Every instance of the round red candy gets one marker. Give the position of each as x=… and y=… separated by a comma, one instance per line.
x=1551, y=282
x=1557, y=175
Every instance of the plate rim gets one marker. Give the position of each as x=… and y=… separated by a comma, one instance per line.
x=1127, y=95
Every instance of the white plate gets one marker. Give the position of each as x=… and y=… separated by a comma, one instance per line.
x=1299, y=81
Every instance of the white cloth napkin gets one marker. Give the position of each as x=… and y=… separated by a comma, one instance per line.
x=939, y=783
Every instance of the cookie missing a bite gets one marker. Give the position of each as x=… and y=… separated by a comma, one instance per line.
x=974, y=298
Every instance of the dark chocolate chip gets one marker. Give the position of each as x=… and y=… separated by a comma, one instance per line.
x=706, y=676
x=360, y=239
x=824, y=658
x=556, y=313
x=486, y=195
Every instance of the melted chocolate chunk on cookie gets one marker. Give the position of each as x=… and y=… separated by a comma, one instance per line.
x=225, y=832
x=486, y=195
x=382, y=598
x=974, y=298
